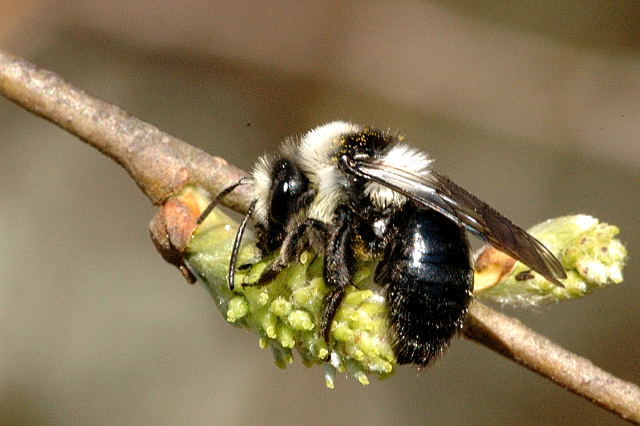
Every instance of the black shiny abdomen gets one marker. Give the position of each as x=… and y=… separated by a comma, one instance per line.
x=427, y=276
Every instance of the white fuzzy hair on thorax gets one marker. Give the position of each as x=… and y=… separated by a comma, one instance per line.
x=315, y=154
x=317, y=149
x=404, y=158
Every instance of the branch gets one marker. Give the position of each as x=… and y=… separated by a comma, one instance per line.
x=510, y=338
x=161, y=165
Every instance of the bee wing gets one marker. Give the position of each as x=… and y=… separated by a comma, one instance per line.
x=441, y=194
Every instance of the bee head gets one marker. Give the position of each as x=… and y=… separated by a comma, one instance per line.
x=319, y=161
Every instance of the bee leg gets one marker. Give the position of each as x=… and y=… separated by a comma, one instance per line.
x=339, y=266
x=292, y=246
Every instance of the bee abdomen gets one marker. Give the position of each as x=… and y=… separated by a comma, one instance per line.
x=428, y=278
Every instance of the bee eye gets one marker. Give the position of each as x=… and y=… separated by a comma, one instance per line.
x=289, y=183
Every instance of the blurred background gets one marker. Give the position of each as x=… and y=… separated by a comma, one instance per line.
x=533, y=106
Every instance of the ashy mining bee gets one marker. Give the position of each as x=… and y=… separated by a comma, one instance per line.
x=352, y=193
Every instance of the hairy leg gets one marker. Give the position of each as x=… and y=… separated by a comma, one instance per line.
x=292, y=246
x=339, y=266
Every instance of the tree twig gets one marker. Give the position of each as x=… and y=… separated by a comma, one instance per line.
x=161, y=165
x=510, y=338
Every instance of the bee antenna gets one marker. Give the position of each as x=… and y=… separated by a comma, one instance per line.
x=236, y=245
x=205, y=213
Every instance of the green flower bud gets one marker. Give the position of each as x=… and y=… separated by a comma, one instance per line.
x=285, y=312
x=588, y=250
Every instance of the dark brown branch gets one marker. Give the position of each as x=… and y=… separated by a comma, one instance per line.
x=161, y=164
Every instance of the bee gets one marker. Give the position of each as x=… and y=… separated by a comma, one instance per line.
x=352, y=193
